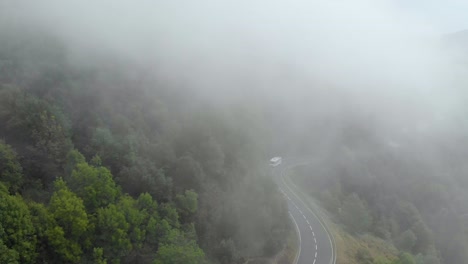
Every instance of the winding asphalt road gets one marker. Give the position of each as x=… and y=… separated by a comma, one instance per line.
x=316, y=245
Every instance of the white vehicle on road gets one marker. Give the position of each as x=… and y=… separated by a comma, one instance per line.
x=275, y=161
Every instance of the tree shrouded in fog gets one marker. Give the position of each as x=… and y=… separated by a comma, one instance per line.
x=140, y=132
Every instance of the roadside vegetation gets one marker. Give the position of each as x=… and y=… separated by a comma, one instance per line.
x=387, y=210
x=290, y=252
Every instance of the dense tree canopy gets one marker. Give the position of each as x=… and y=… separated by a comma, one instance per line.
x=18, y=241
x=100, y=165
x=10, y=168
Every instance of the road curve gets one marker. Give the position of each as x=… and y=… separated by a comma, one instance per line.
x=316, y=245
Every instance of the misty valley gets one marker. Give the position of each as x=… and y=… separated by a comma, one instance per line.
x=246, y=132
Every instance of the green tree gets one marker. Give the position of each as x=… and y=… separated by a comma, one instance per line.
x=187, y=174
x=11, y=172
x=211, y=154
x=363, y=256
x=153, y=232
x=330, y=201
x=169, y=213
x=142, y=175
x=426, y=259
x=42, y=128
x=42, y=222
x=407, y=214
x=136, y=220
x=226, y=251
x=382, y=260
x=68, y=211
x=146, y=203
x=406, y=241
x=98, y=256
x=355, y=214
x=103, y=138
x=112, y=233
x=188, y=253
x=187, y=205
x=7, y=255
x=74, y=157
x=94, y=185
x=424, y=239
x=51, y=137
x=16, y=228
x=108, y=146
x=67, y=251
x=159, y=231
x=451, y=239
x=69, y=214
x=406, y=258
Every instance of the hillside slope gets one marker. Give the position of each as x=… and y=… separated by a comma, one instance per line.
x=105, y=161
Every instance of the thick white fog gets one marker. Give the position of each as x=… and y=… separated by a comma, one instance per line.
x=310, y=57
x=183, y=103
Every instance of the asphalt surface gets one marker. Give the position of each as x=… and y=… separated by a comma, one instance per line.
x=316, y=245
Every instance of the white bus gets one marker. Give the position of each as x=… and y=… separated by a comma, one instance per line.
x=275, y=161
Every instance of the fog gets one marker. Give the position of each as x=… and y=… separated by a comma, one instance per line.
x=330, y=78
x=307, y=59
x=367, y=49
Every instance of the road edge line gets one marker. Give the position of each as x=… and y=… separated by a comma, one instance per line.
x=318, y=214
x=321, y=221
x=298, y=253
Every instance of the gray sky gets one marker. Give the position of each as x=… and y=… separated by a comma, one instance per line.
x=446, y=16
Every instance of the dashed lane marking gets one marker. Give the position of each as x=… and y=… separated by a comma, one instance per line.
x=333, y=257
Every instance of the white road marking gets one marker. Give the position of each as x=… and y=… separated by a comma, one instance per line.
x=314, y=261
x=315, y=240
x=333, y=259
x=308, y=222
x=315, y=246
x=304, y=217
x=300, y=239
x=300, y=211
x=310, y=228
x=315, y=253
x=313, y=233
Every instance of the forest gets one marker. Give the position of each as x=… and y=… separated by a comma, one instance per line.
x=102, y=163
x=142, y=132
x=409, y=190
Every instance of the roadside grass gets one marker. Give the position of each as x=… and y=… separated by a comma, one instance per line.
x=288, y=254
x=348, y=246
